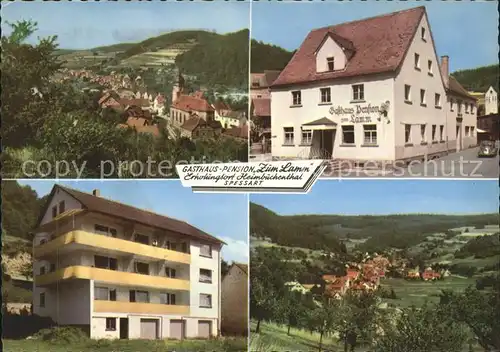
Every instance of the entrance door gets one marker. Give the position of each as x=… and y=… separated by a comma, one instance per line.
x=204, y=328
x=326, y=143
x=124, y=328
x=149, y=329
x=176, y=329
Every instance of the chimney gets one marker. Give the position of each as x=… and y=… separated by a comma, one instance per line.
x=445, y=69
x=96, y=192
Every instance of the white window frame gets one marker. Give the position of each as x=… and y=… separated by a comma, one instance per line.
x=407, y=90
x=325, y=95
x=441, y=133
x=207, y=296
x=429, y=68
x=423, y=128
x=206, y=278
x=433, y=132
x=288, y=136
x=437, y=100
x=209, y=253
x=416, y=61
x=358, y=92
x=306, y=137
x=408, y=131
x=423, y=97
x=296, y=98
x=370, y=135
x=331, y=60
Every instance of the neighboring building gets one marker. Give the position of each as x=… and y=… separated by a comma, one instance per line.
x=261, y=119
x=185, y=106
x=488, y=127
x=234, y=306
x=231, y=119
x=370, y=90
x=491, y=102
x=260, y=83
x=239, y=133
x=197, y=127
x=121, y=272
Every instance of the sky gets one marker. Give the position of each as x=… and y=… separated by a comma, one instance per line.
x=466, y=31
x=85, y=25
x=224, y=216
x=383, y=197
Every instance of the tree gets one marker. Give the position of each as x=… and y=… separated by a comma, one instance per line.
x=322, y=317
x=26, y=70
x=357, y=318
x=426, y=329
x=224, y=268
x=479, y=311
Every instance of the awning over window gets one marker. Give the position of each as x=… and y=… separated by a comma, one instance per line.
x=321, y=124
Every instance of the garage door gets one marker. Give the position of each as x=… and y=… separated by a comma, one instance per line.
x=176, y=329
x=204, y=328
x=149, y=329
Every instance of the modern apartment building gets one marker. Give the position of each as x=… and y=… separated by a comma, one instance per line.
x=121, y=272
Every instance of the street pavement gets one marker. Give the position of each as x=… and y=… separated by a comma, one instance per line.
x=464, y=164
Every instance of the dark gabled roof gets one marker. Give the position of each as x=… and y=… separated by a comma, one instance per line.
x=455, y=87
x=380, y=44
x=321, y=121
x=112, y=208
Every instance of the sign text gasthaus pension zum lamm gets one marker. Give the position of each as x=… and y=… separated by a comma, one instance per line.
x=257, y=177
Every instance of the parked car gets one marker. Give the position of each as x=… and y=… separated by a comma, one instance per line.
x=487, y=149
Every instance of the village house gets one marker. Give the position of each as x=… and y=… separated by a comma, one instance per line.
x=491, y=101
x=238, y=133
x=186, y=106
x=370, y=90
x=197, y=127
x=261, y=119
x=234, y=292
x=261, y=82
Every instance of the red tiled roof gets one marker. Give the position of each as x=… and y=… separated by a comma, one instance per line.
x=136, y=122
x=238, y=132
x=193, y=122
x=135, y=102
x=265, y=79
x=380, y=44
x=190, y=103
x=261, y=106
x=352, y=274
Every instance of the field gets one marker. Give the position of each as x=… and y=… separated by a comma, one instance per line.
x=216, y=345
x=274, y=338
x=410, y=293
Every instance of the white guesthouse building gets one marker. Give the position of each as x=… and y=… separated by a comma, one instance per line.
x=121, y=272
x=370, y=90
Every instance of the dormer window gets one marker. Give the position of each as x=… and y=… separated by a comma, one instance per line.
x=330, y=61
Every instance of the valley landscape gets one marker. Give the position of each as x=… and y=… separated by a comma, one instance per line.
x=347, y=274
x=129, y=109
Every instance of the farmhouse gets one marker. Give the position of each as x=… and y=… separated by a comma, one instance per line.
x=370, y=90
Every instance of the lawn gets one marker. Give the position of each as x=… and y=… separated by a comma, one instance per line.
x=216, y=345
x=273, y=338
x=417, y=292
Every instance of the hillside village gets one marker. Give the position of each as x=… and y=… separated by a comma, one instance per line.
x=147, y=111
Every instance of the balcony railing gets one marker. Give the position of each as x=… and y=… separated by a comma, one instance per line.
x=139, y=308
x=121, y=278
x=112, y=244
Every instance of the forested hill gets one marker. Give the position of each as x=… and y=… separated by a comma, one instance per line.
x=380, y=232
x=21, y=208
x=219, y=59
x=268, y=57
x=288, y=231
x=479, y=79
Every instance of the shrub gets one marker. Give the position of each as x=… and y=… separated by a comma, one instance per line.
x=17, y=326
x=65, y=335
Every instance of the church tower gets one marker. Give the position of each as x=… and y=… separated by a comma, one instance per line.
x=178, y=88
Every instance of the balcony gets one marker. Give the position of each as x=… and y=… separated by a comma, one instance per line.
x=90, y=239
x=139, y=308
x=120, y=278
